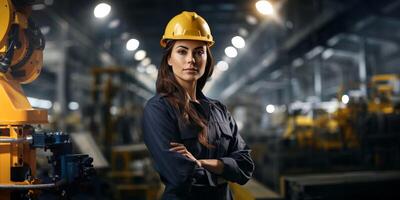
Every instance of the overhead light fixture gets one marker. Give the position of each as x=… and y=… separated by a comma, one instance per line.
x=327, y=54
x=238, y=42
x=114, y=23
x=73, y=105
x=45, y=30
x=132, y=44
x=270, y=108
x=264, y=7
x=102, y=10
x=140, y=55
x=251, y=19
x=150, y=69
x=231, y=52
x=298, y=62
x=145, y=62
x=141, y=69
x=345, y=99
x=243, y=32
x=314, y=52
x=222, y=66
x=38, y=7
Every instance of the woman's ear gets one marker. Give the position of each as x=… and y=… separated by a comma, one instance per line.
x=168, y=60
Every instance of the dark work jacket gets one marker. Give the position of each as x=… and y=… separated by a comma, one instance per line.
x=183, y=179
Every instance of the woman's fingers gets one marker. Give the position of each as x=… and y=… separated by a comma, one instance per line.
x=177, y=148
x=180, y=148
x=175, y=144
x=182, y=151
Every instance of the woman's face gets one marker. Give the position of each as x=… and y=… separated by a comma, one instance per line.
x=188, y=60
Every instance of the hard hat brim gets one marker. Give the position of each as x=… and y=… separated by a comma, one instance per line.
x=163, y=41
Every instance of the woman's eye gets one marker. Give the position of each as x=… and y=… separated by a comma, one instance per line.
x=200, y=53
x=181, y=52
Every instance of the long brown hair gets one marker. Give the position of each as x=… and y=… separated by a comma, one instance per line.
x=168, y=86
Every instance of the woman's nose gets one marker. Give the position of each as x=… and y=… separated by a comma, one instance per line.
x=190, y=58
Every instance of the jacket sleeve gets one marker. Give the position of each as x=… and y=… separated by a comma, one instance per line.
x=238, y=165
x=159, y=129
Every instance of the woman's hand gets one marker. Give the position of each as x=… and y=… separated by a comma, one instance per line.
x=180, y=148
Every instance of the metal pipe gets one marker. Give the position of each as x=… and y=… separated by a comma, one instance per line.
x=33, y=186
x=16, y=140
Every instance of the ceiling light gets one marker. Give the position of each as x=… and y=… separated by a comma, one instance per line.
x=327, y=54
x=345, y=99
x=270, y=108
x=231, y=52
x=222, y=66
x=264, y=7
x=145, y=62
x=114, y=23
x=251, y=19
x=140, y=55
x=238, y=42
x=38, y=7
x=102, y=10
x=150, y=69
x=45, y=30
x=132, y=44
x=73, y=105
x=243, y=32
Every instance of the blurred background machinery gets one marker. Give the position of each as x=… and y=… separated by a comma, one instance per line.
x=313, y=86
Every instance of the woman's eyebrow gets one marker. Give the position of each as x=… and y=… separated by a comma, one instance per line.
x=182, y=47
x=200, y=47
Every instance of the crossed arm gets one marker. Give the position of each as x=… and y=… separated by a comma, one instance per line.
x=213, y=165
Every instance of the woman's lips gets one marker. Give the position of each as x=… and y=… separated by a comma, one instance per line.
x=190, y=70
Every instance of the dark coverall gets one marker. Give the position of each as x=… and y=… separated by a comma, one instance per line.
x=183, y=179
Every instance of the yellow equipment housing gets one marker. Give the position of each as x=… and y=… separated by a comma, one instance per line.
x=324, y=131
x=16, y=111
x=385, y=94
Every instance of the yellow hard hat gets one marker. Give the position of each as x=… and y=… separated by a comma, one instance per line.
x=187, y=26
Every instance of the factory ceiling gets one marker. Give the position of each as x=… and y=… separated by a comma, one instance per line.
x=280, y=50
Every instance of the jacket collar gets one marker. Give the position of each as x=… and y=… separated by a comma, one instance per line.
x=202, y=97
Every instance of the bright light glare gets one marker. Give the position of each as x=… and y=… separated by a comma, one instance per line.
x=222, y=65
x=114, y=23
x=140, y=55
x=231, y=52
x=345, y=99
x=73, y=105
x=150, y=69
x=102, y=10
x=251, y=20
x=40, y=103
x=146, y=62
x=264, y=7
x=270, y=108
x=238, y=42
x=132, y=44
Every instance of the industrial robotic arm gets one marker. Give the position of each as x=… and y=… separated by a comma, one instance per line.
x=21, y=59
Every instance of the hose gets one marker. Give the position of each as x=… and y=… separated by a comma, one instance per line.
x=16, y=140
x=33, y=186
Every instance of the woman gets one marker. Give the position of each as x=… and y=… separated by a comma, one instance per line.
x=193, y=139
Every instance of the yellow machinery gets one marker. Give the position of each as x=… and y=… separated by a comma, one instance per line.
x=385, y=94
x=19, y=65
x=339, y=130
x=21, y=57
x=300, y=128
x=323, y=131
